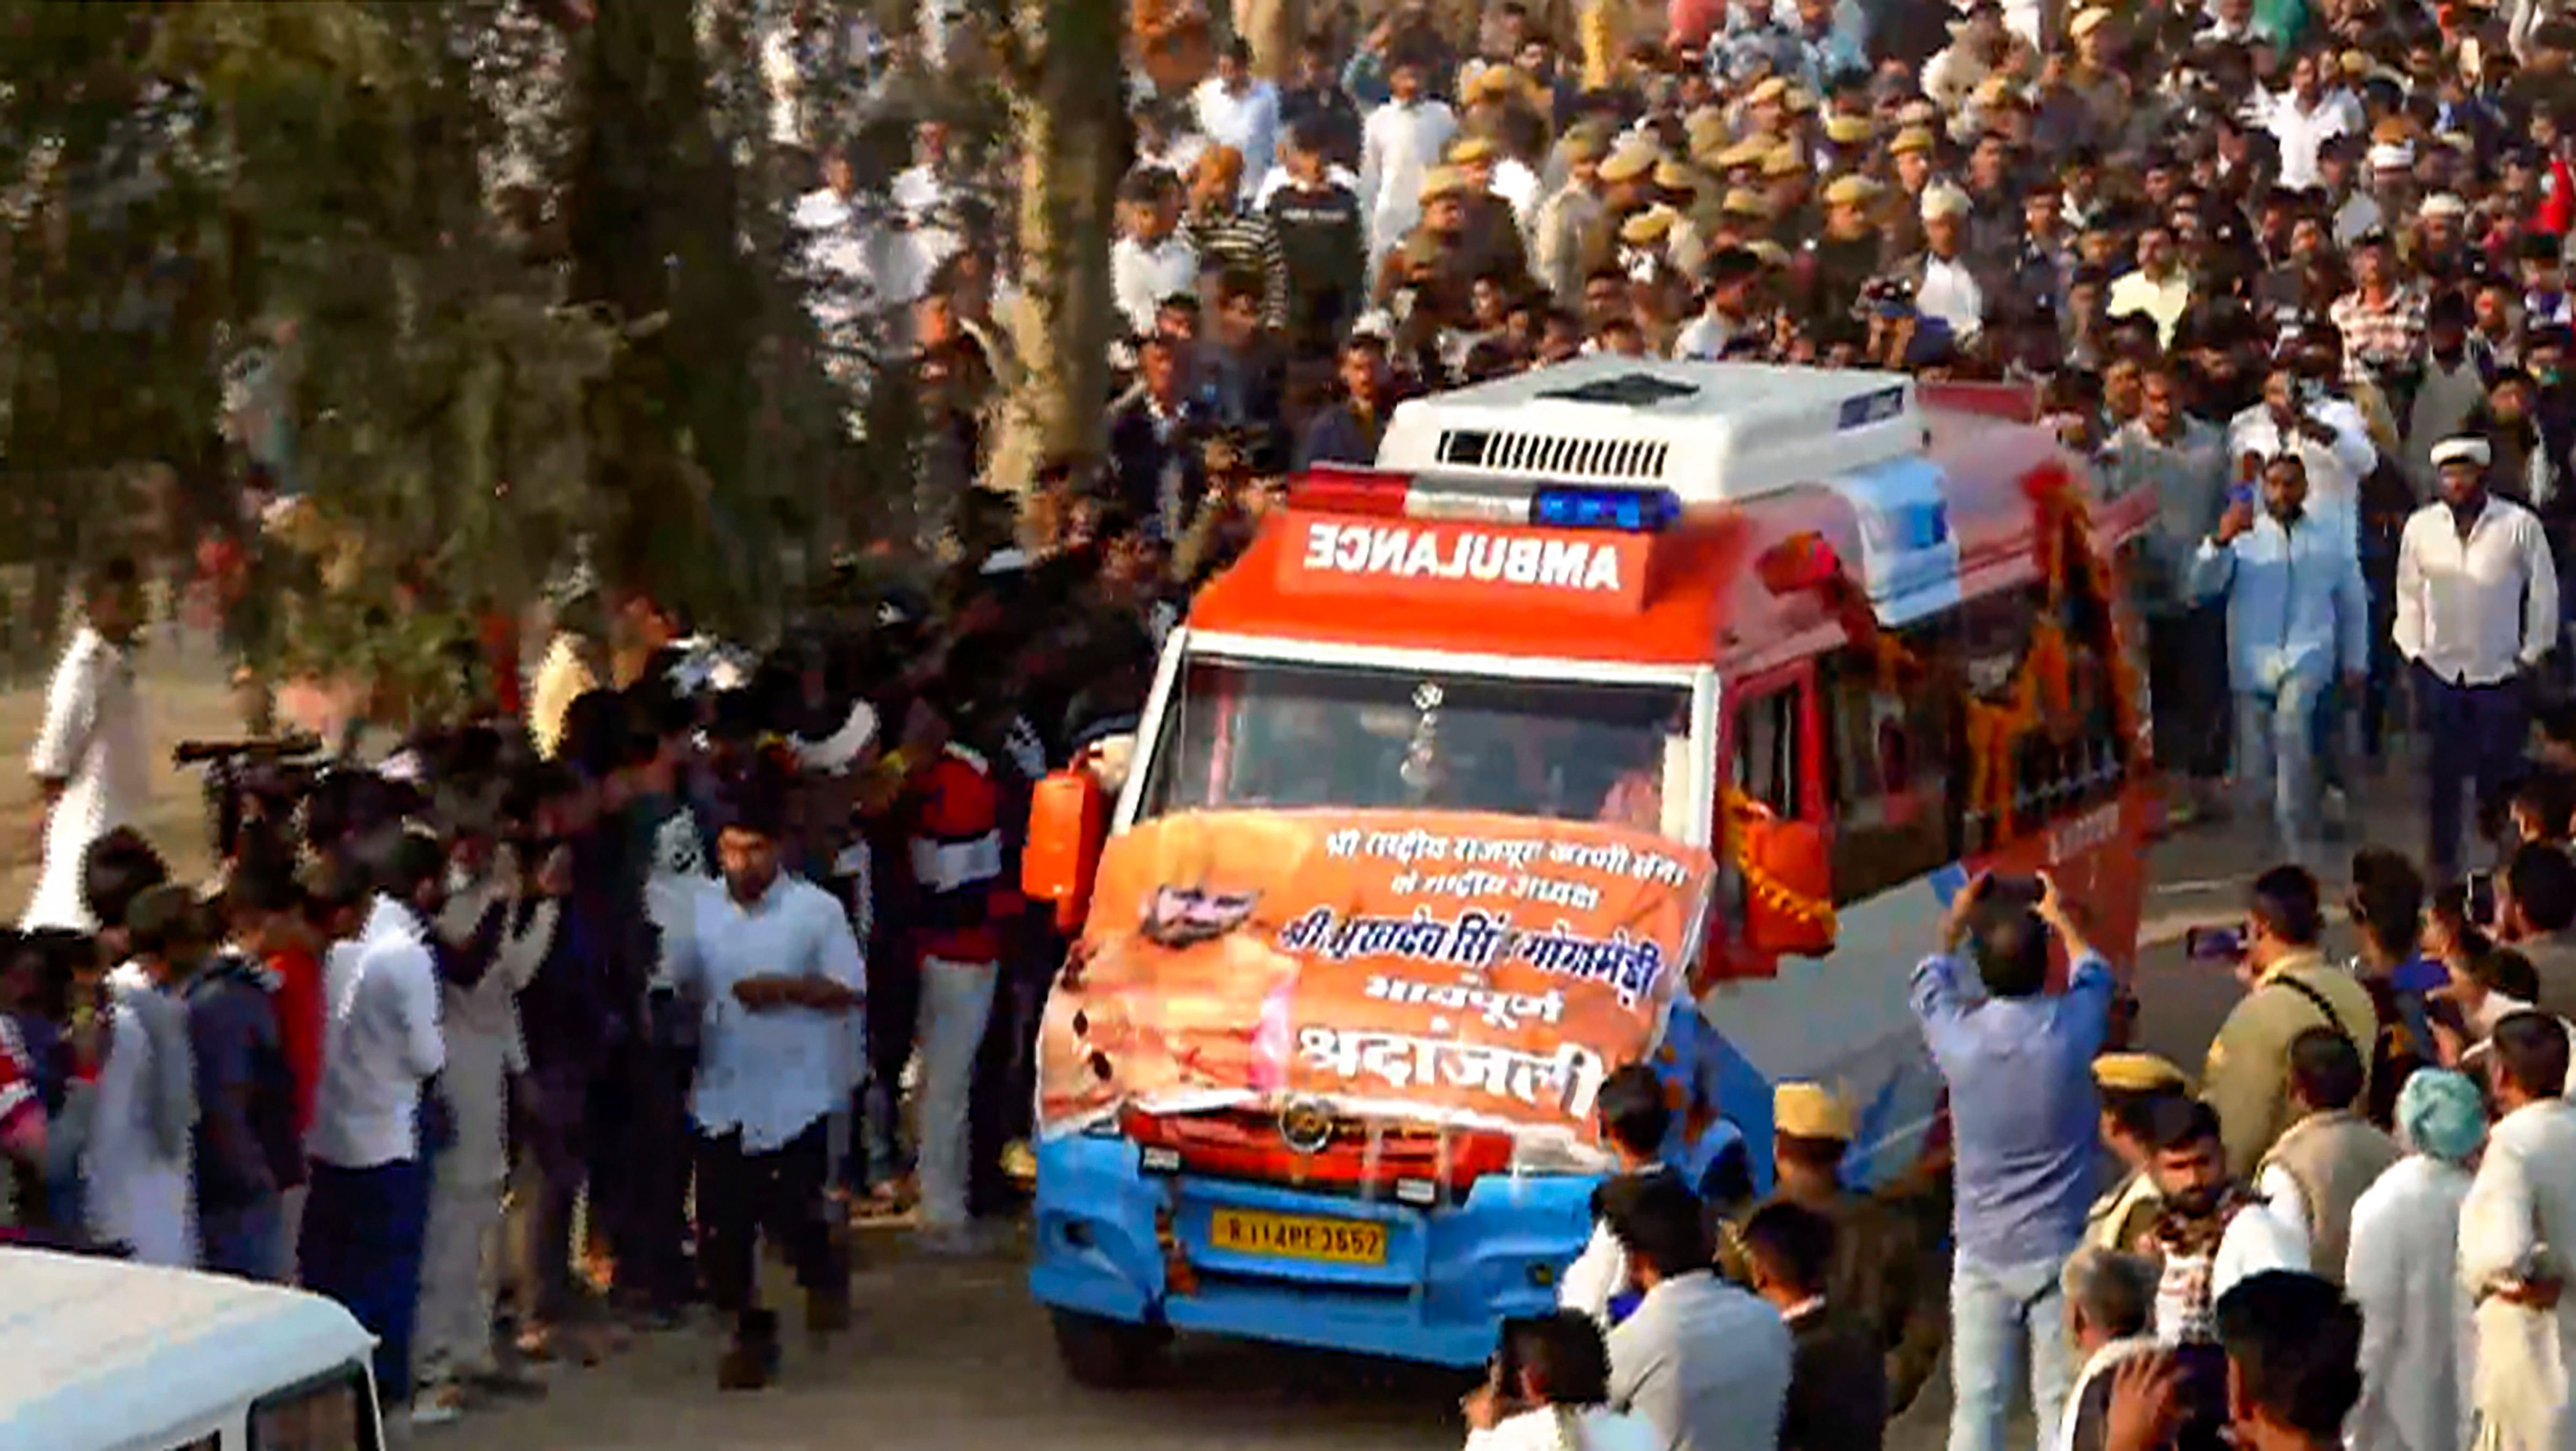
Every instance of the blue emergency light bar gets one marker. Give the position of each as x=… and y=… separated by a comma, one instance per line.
x=1556, y=506
x=1629, y=511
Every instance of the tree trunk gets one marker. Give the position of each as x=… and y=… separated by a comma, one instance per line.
x=1072, y=131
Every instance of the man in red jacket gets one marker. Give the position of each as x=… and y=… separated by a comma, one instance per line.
x=954, y=807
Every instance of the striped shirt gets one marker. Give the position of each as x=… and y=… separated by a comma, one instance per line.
x=2391, y=331
x=1241, y=241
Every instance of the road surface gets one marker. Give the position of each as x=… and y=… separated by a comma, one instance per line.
x=950, y=1357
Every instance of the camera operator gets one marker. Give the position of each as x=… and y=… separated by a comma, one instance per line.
x=1548, y=1389
x=497, y=927
x=2298, y=417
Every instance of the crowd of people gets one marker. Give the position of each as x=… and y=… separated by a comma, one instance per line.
x=586, y=974
x=2345, y=1237
x=687, y=949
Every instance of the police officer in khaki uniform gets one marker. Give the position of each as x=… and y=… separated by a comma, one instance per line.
x=1882, y=1273
x=2130, y=1083
x=1627, y=180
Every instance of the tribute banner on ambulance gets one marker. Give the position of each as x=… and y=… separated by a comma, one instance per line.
x=1468, y=970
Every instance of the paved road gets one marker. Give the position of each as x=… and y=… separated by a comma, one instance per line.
x=950, y=1358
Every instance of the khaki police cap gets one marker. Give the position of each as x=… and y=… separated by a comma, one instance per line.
x=1851, y=191
x=1771, y=89
x=1771, y=253
x=1910, y=140
x=1492, y=83
x=1443, y=181
x=1848, y=130
x=1674, y=175
x=1810, y=1111
x=2088, y=21
x=1783, y=161
x=1632, y=160
x=1746, y=202
x=1468, y=150
x=1648, y=227
x=1581, y=144
x=1748, y=152
x=2138, y=1073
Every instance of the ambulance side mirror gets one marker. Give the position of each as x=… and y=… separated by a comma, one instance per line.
x=1068, y=818
x=1788, y=889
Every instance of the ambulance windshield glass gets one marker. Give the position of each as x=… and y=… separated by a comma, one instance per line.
x=1269, y=733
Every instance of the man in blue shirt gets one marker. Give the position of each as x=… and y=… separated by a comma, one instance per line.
x=2018, y=1063
x=2297, y=616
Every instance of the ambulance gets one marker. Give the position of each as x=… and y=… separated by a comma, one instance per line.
x=1625, y=711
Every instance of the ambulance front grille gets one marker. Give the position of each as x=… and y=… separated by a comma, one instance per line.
x=1554, y=456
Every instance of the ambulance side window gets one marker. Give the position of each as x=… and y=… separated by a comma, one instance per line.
x=1887, y=749
x=1766, y=751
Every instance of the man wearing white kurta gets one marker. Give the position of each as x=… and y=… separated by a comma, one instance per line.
x=498, y=932
x=2403, y=1273
x=1399, y=145
x=88, y=762
x=2516, y=1227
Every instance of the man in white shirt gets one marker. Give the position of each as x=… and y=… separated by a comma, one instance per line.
x=1635, y=1121
x=368, y=1208
x=1400, y=143
x=2324, y=432
x=496, y=931
x=2477, y=611
x=2515, y=1228
x=1236, y=108
x=88, y=762
x=1151, y=261
x=2213, y=1231
x=1947, y=289
x=1556, y=1399
x=2303, y=118
x=777, y=976
x=1733, y=275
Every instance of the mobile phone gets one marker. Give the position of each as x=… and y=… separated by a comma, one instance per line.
x=2013, y=891
x=2213, y=944
x=2240, y=494
x=1949, y=882
x=2482, y=899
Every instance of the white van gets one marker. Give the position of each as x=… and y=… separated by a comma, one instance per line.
x=100, y=1355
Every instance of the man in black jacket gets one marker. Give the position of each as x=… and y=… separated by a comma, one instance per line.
x=1837, y=1377
x=1153, y=433
x=1322, y=237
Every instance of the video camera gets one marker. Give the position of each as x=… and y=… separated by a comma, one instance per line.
x=253, y=785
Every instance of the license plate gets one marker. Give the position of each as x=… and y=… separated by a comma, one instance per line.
x=1294, y=1237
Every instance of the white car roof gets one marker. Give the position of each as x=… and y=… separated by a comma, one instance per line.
x=101, y=1355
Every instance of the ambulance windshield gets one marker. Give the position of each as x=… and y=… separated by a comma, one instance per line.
x=1240, y=733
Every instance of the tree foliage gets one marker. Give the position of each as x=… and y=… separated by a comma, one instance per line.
x=478, y=281
x=460, y=290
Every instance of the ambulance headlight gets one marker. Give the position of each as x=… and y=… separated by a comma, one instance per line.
x=1551, y=1154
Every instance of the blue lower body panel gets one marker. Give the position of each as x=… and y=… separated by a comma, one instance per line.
x=1449, y=1277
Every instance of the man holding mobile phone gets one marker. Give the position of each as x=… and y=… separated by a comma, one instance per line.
x=2018, y=1065
x=2298, y=620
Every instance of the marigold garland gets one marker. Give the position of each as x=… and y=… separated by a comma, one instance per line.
x=2042, y=690
x=1761, y=888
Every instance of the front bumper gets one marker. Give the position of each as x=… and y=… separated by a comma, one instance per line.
x=1450, y=1277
